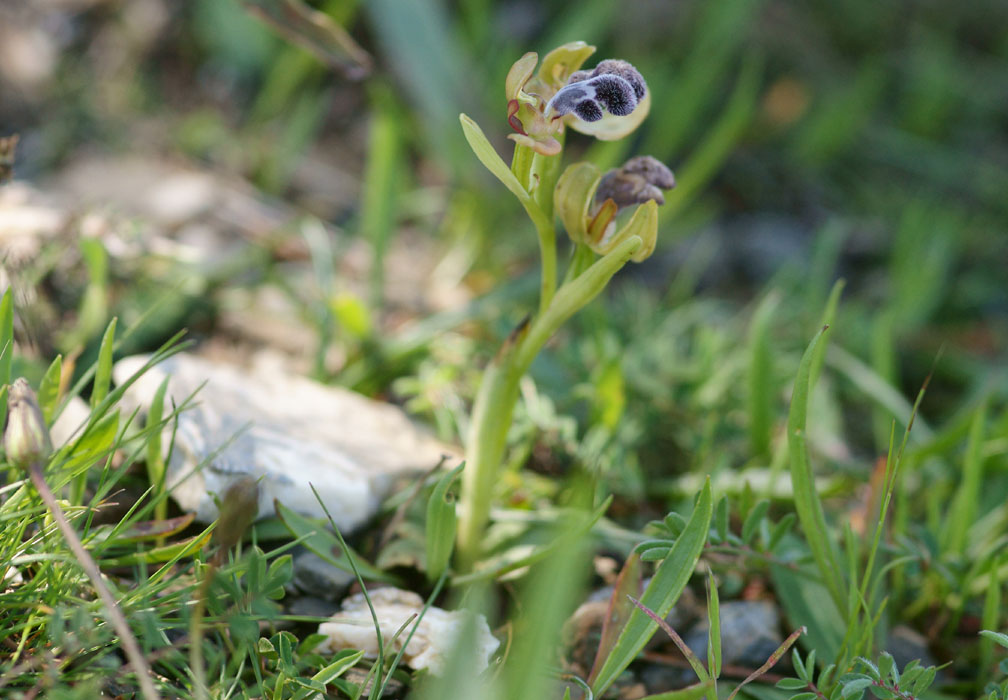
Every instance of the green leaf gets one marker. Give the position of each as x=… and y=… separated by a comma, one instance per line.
x=317, y=537
x=752, y=520
x=998, y=637
x=627, y=584
x=782, y=527
x=279, y=574
x=244, y=629
x=806, y=602
x=171, y=552
x=810, y=664
x=791, y=684
x=489, y=158
x=807, y=503
x=345, y=660
x=761, y=378
x=721, y=519
x=924, y=681
x=714, y=629
x=382, y=184
x=442, y=522
x=285, y=648
x=140, y=531
x=887, y=667
x=93, y=310
x=829, y=314
x=48, y=393
x=675, y=523
x=267, y=649
x=103, y=371
x=573, y=296
x=661, y=594
x=799, y=667
x=871, y=668
x=155, y=459
x=95, y=442
x=964, y=505
x=855, y=687
x=6, y=336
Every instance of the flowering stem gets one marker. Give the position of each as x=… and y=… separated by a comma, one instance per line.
x=498, y=394
x=581, y=259
x=485, y=447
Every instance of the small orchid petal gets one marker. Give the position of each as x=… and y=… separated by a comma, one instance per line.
x=543, y=146
x=573, y=197
x=519, y=74
x=561, y=62
x=609, y=92
x=610, y=127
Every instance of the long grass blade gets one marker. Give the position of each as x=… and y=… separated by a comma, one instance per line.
x=661, y=594
x=807, y=503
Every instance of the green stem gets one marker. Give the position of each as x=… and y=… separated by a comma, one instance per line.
x=498, y=394
x=543, y=175
x=485, y=447
x=521, y=164
x=581, y=260
x=537, y=173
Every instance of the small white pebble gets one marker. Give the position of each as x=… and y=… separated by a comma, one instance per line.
x=431, y=644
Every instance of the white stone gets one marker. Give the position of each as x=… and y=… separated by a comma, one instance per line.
x=70, y=423
x=287, y=430
x=431, y=645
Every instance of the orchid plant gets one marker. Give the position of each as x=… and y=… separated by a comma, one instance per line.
x=607, y=102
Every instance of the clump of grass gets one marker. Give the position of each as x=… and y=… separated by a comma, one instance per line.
x=28, y=447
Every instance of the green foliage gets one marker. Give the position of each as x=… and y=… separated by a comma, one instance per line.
x=441, y=525
x=661, y=594
x=672, y=383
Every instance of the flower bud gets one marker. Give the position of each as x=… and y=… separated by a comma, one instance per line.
x=26, y=439
x=238, y=508
x=587, y=203
x=640, y=179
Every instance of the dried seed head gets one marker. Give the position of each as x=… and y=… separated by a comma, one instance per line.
x=26, y=439
x=641, y=178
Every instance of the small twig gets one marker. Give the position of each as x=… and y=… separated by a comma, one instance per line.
x=129, y=643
